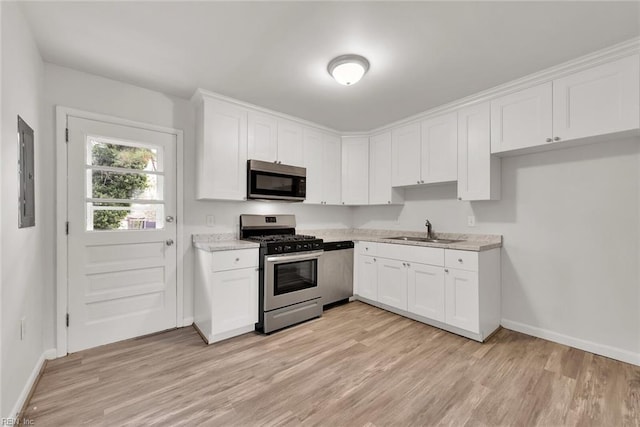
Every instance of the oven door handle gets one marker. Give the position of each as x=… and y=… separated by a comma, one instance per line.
x=279, y=259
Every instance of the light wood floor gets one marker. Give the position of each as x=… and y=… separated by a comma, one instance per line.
x=355, y=366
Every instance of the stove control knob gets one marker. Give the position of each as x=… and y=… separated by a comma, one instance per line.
x=298, y=247
x=287, y=248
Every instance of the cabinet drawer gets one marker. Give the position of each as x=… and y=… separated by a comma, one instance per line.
x=367, y=248
x=231, y=260
x=410, y=253
x=462, y=260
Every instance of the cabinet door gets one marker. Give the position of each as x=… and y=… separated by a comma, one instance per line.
x=597, y=101
x=235, y=299
x=290, y=151
x=478, y=171
x=439, y=149
x=380, y=169
x=405, y=156
x=223, y=152
x=462, y=299
x=392, y=283
x=425, y=291
x=367, y=286
x=262, y=137
x=522, y=119
x=313, y=161
x=355, y=170
x=332, y=169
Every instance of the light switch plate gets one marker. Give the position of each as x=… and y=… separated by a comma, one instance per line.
x=211, y=221
x=471, y=221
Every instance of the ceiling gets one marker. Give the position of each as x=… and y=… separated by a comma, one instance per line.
x=275, y=54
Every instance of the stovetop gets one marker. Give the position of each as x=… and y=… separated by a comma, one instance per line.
x=287, y=243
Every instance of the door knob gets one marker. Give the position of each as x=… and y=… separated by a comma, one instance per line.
x=169, y=218
x=169, y=242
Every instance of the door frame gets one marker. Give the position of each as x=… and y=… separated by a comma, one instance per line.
x=62, y=274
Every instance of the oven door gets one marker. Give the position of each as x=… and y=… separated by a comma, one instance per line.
x=290, y=279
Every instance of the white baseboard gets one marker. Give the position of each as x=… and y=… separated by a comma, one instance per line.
x=590, y=346
x=187, y=321
x=26, y=390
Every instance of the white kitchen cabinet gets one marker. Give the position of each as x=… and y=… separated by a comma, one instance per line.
x=439, y=149
x=332, y=169
x=262, y=137
x=367, y=278
x=355, y=170
x=290, y=149
x=405, y=155
x=522, y=119
x=221, y=147
x=597, y=101
x=478, y=171
x=322, y=158
x=419, y=282
x=462, y=298
x=380, y=190
x=425, y=291
x=392, y=283
x=226, y=293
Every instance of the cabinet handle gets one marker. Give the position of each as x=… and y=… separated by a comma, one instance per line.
x=549, y=139
x=169, y=242
x=460, y=260
x=557, y=138
x=389, y=202
x=237, y=259
x=404, y=265
x=446, y=270
x=366, y=249
x=374, y=260
x=343, y=203
x=421, y=181
x=459, y=198
x=417, y=182
x=408, y=265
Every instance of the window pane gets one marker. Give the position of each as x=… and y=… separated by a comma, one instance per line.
x=124, y=155
x=118, y=185
x=124, y=216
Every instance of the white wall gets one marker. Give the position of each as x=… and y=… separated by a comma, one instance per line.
x=571, y=226
x=88, y=92
x=26, y=254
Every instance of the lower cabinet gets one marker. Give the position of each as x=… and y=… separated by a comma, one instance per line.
x=392, y=283
x=461, y=296
x=226, y=293
x=425, y=289
x=458, y=291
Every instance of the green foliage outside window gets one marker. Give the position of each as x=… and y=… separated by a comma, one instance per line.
x=114, y=185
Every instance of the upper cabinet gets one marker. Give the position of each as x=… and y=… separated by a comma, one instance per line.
x=439, y=149
x=355, y=170
x=322, y=158
x=380, y=190
x=478, y=170
x=405, y=156
x=598, y=101
x=221, y=150
x=601, y=100
x=522, y=119
x=274, y=140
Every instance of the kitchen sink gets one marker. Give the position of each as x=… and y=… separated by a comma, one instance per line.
x=423, y=239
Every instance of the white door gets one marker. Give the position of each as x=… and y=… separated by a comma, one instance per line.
x=262, y=137
x=462, y=299
x=425, y=288
x=439, y=144
x=368, y=277
x=392, y=283
x=355, y=170
x=597, y=101
x=121, y=250
x=522, y=119
x=331, y=169
x=405, y=156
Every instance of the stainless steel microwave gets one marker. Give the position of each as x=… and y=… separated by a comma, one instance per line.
x=275, y=181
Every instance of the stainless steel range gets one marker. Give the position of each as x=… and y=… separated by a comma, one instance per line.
x=289, y=292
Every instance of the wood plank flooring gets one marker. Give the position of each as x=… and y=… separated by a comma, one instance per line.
x=356, y=366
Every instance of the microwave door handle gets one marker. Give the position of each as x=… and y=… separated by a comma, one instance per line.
x=288, y=258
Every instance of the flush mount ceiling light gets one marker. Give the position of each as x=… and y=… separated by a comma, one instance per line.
x=348, y=69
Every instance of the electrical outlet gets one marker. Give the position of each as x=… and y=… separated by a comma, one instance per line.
x=23, y=328
x=471, y=221
x=211, y=221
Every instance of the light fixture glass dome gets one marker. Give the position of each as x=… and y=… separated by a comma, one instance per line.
x=348, y=69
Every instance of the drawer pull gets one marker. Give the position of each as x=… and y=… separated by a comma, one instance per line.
x=459, y=259
x=446, y=270
x=237, y=259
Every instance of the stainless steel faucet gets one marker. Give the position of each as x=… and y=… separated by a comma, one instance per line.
x=429, y=229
